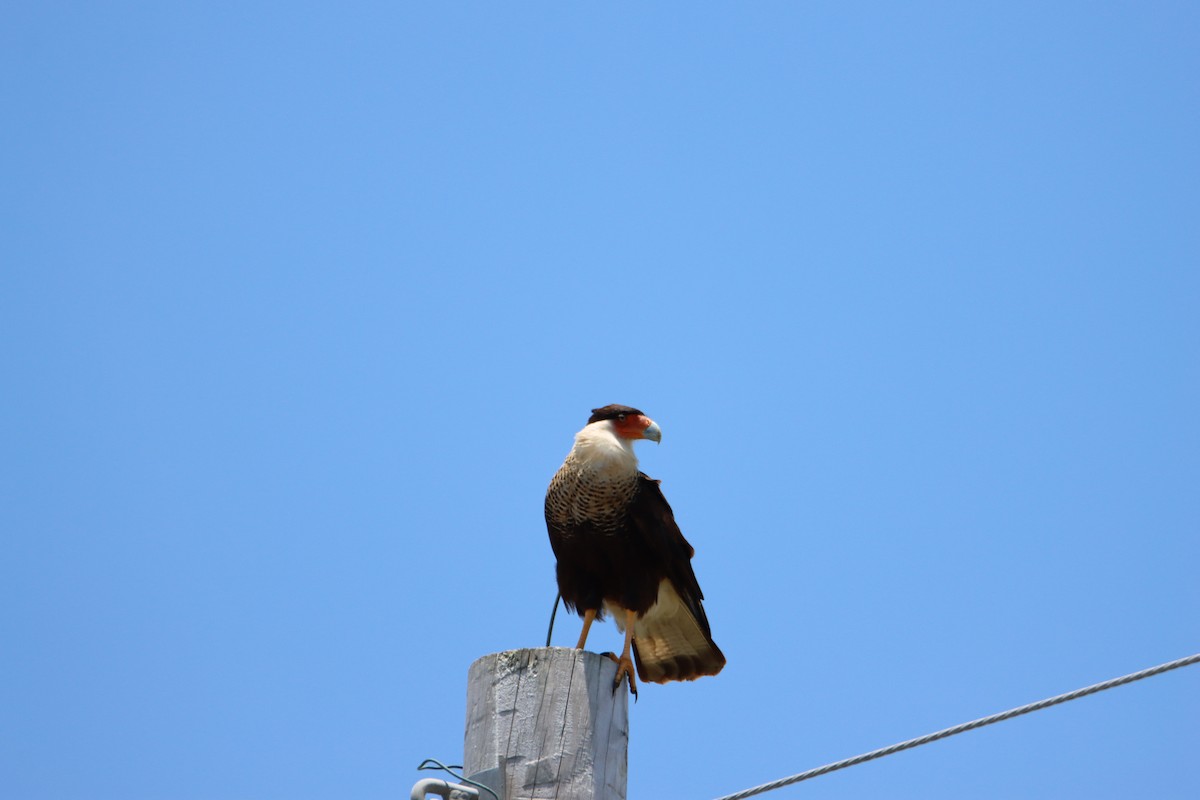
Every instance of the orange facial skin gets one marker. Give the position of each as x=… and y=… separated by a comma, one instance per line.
x=632, y=426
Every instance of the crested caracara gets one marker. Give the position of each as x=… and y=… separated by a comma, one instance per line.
x=619, y=550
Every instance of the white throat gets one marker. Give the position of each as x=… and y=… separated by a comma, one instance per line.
x=599, y=448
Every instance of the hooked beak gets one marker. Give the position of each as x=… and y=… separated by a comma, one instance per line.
x=652, y=432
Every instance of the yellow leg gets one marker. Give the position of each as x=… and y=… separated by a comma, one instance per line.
x=588, y=617
x=625, y=662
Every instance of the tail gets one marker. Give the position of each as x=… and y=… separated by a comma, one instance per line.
x=671, y=644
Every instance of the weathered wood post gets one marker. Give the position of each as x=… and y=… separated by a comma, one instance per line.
x=545, y=723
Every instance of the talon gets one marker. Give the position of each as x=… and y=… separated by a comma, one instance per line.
x=624, y=670
x=625, y=663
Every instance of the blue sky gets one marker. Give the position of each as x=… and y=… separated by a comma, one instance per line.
x=302, y=304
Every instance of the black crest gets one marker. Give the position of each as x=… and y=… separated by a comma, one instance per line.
x=610, y=412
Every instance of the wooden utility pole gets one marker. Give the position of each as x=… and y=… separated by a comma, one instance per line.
x=545, y=723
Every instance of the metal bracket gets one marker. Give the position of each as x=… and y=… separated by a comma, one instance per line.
x=443, y=789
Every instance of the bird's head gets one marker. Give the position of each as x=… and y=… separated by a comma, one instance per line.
x=627, y=423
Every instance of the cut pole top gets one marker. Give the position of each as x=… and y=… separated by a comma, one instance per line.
x=545, y=723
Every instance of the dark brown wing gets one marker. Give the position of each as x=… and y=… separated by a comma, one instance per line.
x=673, y=640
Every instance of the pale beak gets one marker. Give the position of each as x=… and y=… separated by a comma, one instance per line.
x=652, y=432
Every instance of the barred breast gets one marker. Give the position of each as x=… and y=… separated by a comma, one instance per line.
x=577, y=496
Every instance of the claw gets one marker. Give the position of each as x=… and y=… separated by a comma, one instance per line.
x=624, y=663
x=624, y=669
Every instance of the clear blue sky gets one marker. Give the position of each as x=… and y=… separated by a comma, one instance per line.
x=301, y=305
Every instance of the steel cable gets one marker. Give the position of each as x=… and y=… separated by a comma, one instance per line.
x=964, y=727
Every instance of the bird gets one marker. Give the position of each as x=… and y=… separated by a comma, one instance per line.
x=619, y=550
